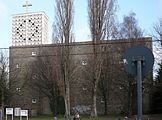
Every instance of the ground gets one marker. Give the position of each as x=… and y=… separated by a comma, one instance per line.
x=109, y=117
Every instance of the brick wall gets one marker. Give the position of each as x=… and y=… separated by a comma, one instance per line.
x=21, y=59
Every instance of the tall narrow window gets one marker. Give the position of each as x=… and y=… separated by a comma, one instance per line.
x=17, y=66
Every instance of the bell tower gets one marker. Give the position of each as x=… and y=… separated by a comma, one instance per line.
x=29, y=28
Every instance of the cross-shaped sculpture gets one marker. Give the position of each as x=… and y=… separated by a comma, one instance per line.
x=27, y=5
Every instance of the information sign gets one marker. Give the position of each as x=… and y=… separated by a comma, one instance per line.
x=24, y=112
x=9, y=111
x=17, y=111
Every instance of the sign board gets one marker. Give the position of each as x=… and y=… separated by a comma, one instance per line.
x=24, y=112
x=17, y=111
x=137, y=61
x=138, y=52
x=9, y=111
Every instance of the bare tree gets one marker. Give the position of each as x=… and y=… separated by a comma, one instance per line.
x=157, y=36
x=17, y=73
x=156, y=96
x=129, y=28
x=44, y=78
x=100, y=14
x=63, y=34
x=104, y=82
x=158, y=31
x=4, y=80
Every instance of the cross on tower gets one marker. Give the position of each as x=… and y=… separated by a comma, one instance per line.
x=27, y=5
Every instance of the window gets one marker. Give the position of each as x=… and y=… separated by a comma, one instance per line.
x=34, y=100
x=34, y=53
x=17, y=66
x=84, y=62
x=34, y=76
x=18, y=89
x=103, y=48
x=102, y=100
x=84, y=88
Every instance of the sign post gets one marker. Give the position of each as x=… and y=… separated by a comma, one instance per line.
x=9, y=111
x=137, y=61
x=24, y=113
x=139, y=89
x=17, y=112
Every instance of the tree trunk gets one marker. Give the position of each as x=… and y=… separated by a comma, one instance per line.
x=67, y=104
x=94, y=105
x=129, y=112
x=105, y=104
x=67, y=97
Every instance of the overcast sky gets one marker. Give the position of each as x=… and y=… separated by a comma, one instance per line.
x=147, y=13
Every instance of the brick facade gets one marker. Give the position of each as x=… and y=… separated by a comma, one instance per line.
x=21, y=59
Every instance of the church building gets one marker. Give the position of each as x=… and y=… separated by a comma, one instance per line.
x=30, y=43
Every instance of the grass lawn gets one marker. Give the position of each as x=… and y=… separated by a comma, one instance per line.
x=151, y=117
